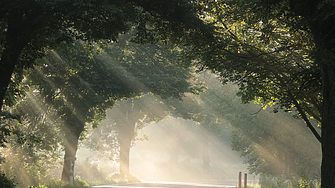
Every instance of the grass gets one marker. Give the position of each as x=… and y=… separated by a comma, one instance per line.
x=114, y=179
x=251, y=185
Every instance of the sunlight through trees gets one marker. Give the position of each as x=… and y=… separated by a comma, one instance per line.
x=256, y=75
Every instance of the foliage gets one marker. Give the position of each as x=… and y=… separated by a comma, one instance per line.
x=253, y=185
x=269, y=143
x=273, y=143
x=7, y=129
x=121, y=178
x=29, y=161
x=205, y=110
x=202, y=108
x=5, y=182
x=31, y=145
x=278, y=182
x=150, y=68
x=28, y=30
x=73, y=91
x=81, y=83
x=276, y=63
x=274, y=182
x=267, y=59
x=127, y=115
x=95, y=170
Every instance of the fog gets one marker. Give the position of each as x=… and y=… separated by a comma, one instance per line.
x=152, y=159
x=173, y=151
x=171, y=148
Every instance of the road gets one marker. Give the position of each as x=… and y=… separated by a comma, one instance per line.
x=176, y=184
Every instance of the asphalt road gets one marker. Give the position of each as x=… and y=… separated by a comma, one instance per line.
x=176, y=184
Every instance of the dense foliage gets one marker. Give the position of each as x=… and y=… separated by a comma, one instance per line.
x=278, y=52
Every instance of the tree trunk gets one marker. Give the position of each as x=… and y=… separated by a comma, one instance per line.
x=321, y=21
x=323, y=32
x=7, y=64
x=328, y=127
x=17, y=37
x=71, y=146
x=126, y=134
x=69, y=158
x=8, y=61
x=124, y=157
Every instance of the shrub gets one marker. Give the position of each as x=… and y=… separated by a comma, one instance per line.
x=5, y=182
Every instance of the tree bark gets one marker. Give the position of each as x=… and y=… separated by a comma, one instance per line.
x=321, y=22
x=328, y=127
x=124, y=157
x=126, y=134
x=7, y=64
x=71, y=146
x=18, y=35
x=323, y=32
x=8, y=61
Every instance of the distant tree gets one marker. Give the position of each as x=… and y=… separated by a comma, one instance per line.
x=82, y=88
x=202, y=109
x=118, y=132
x=129, y=117
x=272, y=144
x=179, y=137
x=159, y=67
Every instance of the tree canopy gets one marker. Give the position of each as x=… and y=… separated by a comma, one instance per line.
x=29, y=29
x=81, y=84
x=267, y=59
x=278, y=51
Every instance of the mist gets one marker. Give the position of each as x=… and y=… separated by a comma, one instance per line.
x=173, y=151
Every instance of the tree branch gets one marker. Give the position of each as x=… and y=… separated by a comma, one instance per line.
x=304, y=117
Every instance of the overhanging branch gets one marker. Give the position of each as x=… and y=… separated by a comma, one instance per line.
x=304, y=117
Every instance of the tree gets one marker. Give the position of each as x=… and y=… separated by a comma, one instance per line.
x=171, y=80
x=80, y=91
x=129, y=117
x=82, y=88
x=318, y=19
x=274, y=144
x=264, y=59
x=271, y=144
x=29, y=157
x=280, y=49
x=159, y=74
x=202, y=109
x=29, y=29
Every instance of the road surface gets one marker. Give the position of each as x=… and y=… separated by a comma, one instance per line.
x=175, y=184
